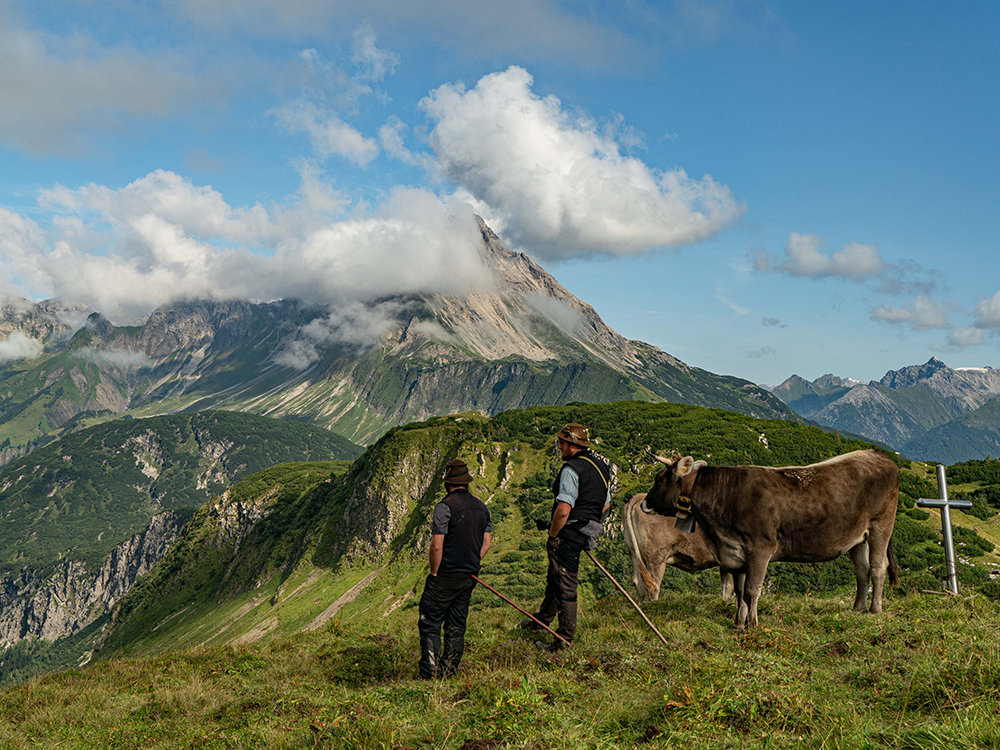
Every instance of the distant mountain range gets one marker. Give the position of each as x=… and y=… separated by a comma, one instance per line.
x=358, y=369
x=927, y=412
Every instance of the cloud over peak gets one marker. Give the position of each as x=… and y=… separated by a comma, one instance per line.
x=559, y=182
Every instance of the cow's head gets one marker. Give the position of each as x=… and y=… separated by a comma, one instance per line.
x=662, y=498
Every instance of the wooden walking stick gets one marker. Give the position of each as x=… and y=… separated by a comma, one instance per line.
x=625, y=594
x=477, y=579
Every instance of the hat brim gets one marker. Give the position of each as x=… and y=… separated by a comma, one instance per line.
x=567, y=438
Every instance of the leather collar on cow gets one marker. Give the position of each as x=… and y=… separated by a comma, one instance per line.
x=685, y=510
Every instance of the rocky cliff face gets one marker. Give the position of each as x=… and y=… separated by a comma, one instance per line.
x=73, y=597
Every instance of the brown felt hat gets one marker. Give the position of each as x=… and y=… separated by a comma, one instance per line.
x=576, y=434
x=456, y=472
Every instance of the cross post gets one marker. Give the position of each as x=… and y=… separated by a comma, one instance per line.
x=946, y=505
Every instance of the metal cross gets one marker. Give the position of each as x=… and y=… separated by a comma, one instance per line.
x=945, y=505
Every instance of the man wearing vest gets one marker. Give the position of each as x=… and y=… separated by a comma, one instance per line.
x=582, y=493
x=461, y=534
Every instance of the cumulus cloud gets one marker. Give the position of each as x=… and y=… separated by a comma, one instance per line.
x=562, y=184
x=328, y=134
x=19, y=346
x=772, y=323
x=855, y=261
x=961, y=338
x=162, y=239
x=922, y=314
x=987, y=313
x=763, y=353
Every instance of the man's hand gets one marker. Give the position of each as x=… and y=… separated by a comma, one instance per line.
x=543, y=524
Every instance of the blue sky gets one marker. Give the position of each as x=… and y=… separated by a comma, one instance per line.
x=758, y=188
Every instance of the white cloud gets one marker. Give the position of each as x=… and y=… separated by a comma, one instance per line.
x=987, y=312
x=855, y=261
x=764, y=352
x=162, y=239
x=562, y=186
x=922, y=314
x=328, y=134
x=964, y=337
x=391, y=137
x=557, y=311
x=19, y=346
x=737, y=309
x=351, y=322
x=373, y=63
x=120, y=358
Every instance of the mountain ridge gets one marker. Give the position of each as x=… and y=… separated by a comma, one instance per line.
x=925, y=411
x=518, y=340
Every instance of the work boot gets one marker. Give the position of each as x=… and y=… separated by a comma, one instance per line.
x=528, y=624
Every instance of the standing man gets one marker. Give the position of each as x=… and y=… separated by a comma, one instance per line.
x=582, y=496
x=461, y=535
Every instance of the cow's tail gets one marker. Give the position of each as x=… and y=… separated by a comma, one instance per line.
x=632, y=543
x=893, y=570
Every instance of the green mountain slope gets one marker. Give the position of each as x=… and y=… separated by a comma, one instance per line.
x=976, y=434
x=84, y=515
x=354, y=546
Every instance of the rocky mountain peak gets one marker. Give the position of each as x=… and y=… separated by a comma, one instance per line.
x=910, y=376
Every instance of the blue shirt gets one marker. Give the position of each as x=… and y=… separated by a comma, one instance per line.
x=569, y=487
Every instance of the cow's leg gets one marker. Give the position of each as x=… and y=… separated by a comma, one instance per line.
x=739, y=579
x=640, y=589
x=862, y=570
x=656, y=573
x=756, y=569
x=727, y=584
x=878, y=562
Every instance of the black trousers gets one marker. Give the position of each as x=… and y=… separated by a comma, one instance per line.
x=445, y=601
x=561, y=582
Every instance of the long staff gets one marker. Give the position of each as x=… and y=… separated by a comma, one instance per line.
x=625, y=594
x=477, y=579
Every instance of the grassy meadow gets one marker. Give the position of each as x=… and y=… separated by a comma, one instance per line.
x=814, y=674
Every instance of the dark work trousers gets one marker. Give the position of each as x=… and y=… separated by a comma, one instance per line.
x=445, y=600
x=560, y=585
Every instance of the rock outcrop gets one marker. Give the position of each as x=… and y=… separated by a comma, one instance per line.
x=72, y=597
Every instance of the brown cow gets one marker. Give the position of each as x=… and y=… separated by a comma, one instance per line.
x=653, y=544
x=750, y=515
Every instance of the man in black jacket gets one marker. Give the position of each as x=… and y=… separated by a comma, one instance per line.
x=461, y=535
x=582, y=493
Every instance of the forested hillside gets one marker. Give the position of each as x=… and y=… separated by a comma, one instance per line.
x=85, y=515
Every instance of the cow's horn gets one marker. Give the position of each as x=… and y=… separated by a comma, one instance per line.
x=645, y=508
x=655, y=457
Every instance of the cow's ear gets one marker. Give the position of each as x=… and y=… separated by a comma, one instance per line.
x=684, y=466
